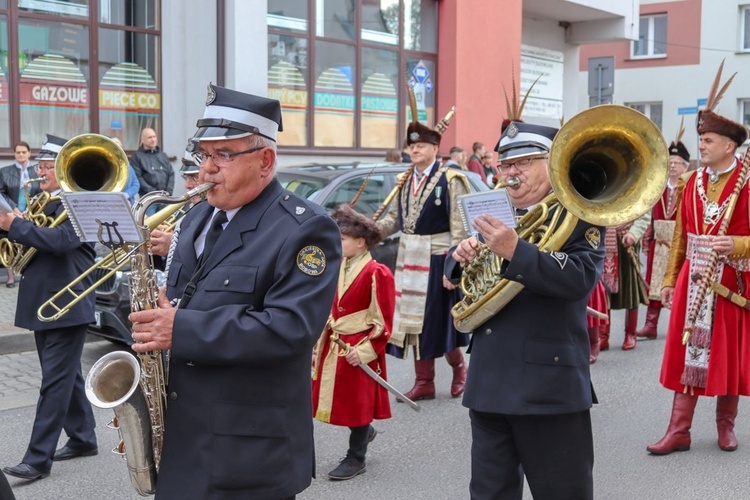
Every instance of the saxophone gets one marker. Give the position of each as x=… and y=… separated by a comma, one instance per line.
x=135, y=389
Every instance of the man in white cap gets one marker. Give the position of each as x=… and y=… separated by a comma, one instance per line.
x=60, y=258
x=529, y=390
x=259, y=266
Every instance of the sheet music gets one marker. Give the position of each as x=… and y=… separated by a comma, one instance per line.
x=495, y=202
x=92, y=211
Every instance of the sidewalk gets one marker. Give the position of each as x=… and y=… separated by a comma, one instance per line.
x=12, y=339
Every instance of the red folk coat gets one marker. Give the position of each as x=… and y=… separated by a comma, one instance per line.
x=729, y=362
x=344, y=394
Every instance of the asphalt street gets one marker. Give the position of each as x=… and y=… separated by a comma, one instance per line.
x=421, y=455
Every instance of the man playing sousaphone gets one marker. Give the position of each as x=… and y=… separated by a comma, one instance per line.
x=713, y=219
x=658, y=237
x=529, y=391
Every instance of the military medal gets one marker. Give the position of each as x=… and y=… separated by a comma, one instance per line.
x=711, y=213
x=438, y=190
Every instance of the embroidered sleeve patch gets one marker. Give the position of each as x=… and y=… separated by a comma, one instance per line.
x=311, y=260
x=560, y=257
x=594, y=237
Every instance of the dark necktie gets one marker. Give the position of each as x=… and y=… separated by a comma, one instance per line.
x=213, y=234
x=520, y=212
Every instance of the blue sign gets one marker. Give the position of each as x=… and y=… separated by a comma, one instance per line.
x=115, y=125
x=420, y=72
x=692, y=110
x=702, y=102
x=412, y=82
x=428, y=85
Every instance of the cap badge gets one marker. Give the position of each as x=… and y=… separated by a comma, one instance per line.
x=299, y=210
x=211, y=97
x=311, y=260
x=190, y=146
x=414, y=136
x=512, y=130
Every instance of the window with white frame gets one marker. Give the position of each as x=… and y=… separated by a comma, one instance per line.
x=653, y=110
x=652, y=37
x=745, y=28
x=745, y=112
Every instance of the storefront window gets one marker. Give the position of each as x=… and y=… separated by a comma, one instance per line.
x=77, y=8
x=135, y=13
x=333, y=111
x=4, y=90
x=335, y=19
x=420, y=25
x=129, y=98
x=288, y=15
x=379, y=103
x=380, y=22
x=54, y=75
x=287, y=82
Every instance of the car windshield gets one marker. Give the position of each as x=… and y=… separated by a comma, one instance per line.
x=304, y=187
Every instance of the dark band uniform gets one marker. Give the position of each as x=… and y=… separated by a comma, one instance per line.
x=60, y=258
x=238, y=420
x=529, y=390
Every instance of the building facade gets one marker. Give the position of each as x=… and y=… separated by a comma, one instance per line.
x=339, y=67
x=668, y=71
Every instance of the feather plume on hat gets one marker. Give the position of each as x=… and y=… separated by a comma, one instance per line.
x=710, y=121
x=677, y=148
x=514, y=109
x=416, y=132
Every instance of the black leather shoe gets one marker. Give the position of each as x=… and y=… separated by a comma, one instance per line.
x=347, y=469
x=66, y=453
x=25, y=471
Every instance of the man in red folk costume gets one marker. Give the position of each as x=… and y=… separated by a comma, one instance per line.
x=658, y=237
x=357, y=331
x=707, y=353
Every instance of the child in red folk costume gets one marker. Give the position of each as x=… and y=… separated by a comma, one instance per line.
x=361, y=317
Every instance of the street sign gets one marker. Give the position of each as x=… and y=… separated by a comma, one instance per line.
x=691, y=110
x=428, y=85
x=420, y=72
x=702, y=102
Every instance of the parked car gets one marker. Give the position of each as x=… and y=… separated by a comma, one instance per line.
x=326, y=184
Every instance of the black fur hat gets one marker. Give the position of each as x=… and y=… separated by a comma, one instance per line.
x=354, y=224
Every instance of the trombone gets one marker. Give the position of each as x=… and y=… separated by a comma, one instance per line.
x=51, y=311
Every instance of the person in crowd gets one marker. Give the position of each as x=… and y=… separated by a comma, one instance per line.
x=622, y=277
x=13, y=178
x=706, y=352
x=529, y=391
x=490, y=170
x=60, y=258
x=133, y=186
x=658, y=237
x=358, y=329
x=152, y=166
x=161, y=237
x=393, y=156
x=405, y=152
x=253, y=274
x=457, y=158
x=425, y=210
x=476, y=162
x=595, y=322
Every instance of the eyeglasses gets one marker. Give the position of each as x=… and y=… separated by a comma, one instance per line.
x=42, y=168
x=521, y=165
x=221, y=158
x=190, y=177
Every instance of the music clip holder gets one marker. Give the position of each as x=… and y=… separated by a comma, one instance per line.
x=103, y=217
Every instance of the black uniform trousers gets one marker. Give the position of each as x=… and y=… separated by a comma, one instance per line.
x=62, y=401
x=555, y=452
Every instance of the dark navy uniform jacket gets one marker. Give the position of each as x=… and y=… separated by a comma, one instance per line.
x=60, y=258
x=239, y=412
x=532, y=357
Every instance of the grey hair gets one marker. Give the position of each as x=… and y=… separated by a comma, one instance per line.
x=258, y=141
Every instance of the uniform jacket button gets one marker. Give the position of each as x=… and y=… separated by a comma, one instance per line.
x=488, y=331
x=226, y=282
x=557, y=358
x=173, y=396
x=519, y=276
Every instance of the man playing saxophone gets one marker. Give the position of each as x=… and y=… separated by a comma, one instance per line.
x=259, y=268
x=528, y=390
x=60, y=257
